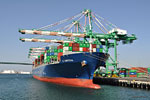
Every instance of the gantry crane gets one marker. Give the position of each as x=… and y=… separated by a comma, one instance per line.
x=109, y=37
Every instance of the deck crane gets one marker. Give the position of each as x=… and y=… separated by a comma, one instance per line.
x=109, y=37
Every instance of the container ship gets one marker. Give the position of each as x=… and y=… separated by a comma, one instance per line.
x=72, y=68
x=73, y=60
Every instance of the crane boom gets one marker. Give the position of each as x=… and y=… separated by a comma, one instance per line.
x=52, y=33
x=44, y=40
x=114, y=35
x=37, y=49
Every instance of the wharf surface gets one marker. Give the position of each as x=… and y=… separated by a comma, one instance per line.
x=133, y=82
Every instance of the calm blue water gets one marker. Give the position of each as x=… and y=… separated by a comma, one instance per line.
x=24, y=87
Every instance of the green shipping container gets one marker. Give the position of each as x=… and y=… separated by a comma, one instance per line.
x=148, y=69
x=52, y=56
x=87, y=45
x=70, y=48
x=55, y=50
x=81, y=44
x=133, y=71
x=140, y=74
x=122, y=75
x=101, y=50
x=55, y=57
x=127, y=75
x=95, y=42
x=48, y=60
x=66, y=44
x=48, y=57
x=84, y=45
x=48, y=51
x=60, y=50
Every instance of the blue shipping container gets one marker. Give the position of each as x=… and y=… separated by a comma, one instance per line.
x=47, y=48
x=97, y=49
x=122, y=73
x=52, y=53
x=101, y=46
x=48, y=54
x=132, y=73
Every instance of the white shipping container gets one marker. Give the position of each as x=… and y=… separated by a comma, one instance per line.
x=80, y=49
x=94, y=49
x=45, y=56
x=65, y=48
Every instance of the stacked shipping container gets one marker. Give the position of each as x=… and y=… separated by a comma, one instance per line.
x=54, y=53
x=134, y=72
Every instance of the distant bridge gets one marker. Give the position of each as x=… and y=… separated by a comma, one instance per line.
x=16, y=63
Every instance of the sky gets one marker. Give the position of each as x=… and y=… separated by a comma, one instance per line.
x=131, y=15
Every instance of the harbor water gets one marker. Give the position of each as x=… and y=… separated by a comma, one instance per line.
x=25, y=87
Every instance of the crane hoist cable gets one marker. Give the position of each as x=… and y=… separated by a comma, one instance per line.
x=60, y=22
x=62, y=28
x=67, y=26
x=100, y=23
x=99, y=27
x=73, y=23
x=114, y=26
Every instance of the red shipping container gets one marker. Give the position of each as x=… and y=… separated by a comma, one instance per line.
x=75, y=45
x=60, y=53
x=35, y=60
x=87, y=49
x=132, y=75
x=60, y=47
x=75, y=49
x=70, y=44
x=84, y=49
x=140, y=69
x=122, y=71
x=42, y=54
x=58, y=58
x=93, y=45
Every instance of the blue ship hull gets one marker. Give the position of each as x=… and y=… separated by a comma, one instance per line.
x=72, y=66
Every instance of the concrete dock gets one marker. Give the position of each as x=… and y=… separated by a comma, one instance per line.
x=133, y=82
